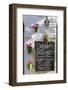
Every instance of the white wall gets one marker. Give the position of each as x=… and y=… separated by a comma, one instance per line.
x=4, y=44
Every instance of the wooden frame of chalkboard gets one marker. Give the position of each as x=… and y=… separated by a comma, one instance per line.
x=13, y=40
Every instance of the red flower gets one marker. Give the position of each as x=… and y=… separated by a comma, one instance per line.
x=35, y=26
x=29, y=62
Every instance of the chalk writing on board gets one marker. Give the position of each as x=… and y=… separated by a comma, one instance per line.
x=44, y=56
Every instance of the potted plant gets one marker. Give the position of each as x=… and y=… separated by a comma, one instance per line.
x=29, y=65
x=35, y=27
x=29, y=48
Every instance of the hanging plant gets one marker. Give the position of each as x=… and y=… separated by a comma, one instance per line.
x=29, y=65
x=35, y=27
x=29, y=48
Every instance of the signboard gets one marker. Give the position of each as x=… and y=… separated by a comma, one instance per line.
x=44, y=56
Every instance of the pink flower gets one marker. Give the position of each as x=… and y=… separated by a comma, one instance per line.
x=35, y=26
x=29, y=45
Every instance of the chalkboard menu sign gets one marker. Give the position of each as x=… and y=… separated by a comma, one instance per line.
x=44, y=56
